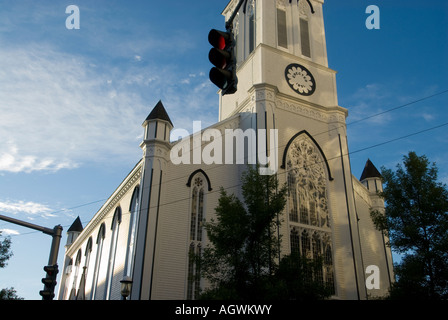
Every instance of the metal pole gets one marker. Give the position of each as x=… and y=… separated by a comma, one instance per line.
x=229, y=23
x=28, y=225
x=56, y=234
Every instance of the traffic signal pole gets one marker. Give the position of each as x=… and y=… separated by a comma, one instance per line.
x=229, y=23
x=56, y=234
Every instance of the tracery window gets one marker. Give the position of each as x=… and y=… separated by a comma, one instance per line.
x=309, y=220
x=197, y=217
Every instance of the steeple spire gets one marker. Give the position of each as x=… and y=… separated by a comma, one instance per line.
x=159, y=113
x=370, y=171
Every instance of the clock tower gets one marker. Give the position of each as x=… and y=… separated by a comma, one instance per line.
x=281, y=43
x=285, y=83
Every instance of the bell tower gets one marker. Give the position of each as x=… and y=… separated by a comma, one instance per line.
x=280, y=43
x=285, y=84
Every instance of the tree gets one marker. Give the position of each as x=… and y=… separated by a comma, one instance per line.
x=245, y=242
x=243, y=260
x=5, y=254
x=9, y=294
x=416, y=222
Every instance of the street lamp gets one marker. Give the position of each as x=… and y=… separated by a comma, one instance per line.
x=126, y=285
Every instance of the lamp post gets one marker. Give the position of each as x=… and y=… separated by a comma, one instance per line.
x=126, y=285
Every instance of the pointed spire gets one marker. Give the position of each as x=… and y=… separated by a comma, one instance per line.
x=76, y=226
x=160, y=113
x=370, y=171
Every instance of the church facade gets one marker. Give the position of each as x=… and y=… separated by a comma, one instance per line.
x=154, y=219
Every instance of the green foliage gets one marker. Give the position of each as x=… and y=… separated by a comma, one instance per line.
x=416, y=221
x=298, y=279
x=5, y=252
x=9, y=294
x=242, y=261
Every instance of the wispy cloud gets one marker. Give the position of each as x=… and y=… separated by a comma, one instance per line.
x=30, y=208
x=58, y=110
x=367, y=101
x=70, y=98
x=9, y=232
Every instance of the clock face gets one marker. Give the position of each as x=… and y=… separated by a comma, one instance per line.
x=300, y=79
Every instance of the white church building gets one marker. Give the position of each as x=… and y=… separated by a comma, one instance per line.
x=154, y=218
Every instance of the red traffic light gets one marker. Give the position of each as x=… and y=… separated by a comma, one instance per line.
x=219, y=39
x=223, y=58
x=51, y=270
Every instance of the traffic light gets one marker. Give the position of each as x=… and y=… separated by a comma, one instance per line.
x=222, y=56
x=49, y=281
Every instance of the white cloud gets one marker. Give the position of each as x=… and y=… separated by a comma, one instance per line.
x=428, y=117
x=60, y=110
x=29, y=207
x=368, y=101
x=12, y=161
x=56, y=112
x=9, y=232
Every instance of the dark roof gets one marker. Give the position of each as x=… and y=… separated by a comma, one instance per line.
x=76, y=226
x=370, y=171
x=160, y=113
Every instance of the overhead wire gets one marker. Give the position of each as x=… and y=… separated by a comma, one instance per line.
x=323, y=132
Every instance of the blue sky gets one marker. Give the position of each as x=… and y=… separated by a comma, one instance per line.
x=72, y=101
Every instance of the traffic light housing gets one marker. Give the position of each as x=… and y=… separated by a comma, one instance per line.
x=222, y=56
x=49, y=282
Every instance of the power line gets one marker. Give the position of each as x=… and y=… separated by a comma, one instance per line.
x=352, y=152
x=329, y=159
x=285, y=172
x=399, y=107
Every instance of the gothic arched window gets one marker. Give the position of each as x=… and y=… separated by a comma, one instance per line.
x=309, y=217
x=75, y=278
x=197, y=218
x=282, y=30
x=133, y=210
x=251, y=13
x=116, y=220
x=305, y=42
x=99, y=251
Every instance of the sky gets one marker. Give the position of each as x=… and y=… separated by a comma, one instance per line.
x=72, y=101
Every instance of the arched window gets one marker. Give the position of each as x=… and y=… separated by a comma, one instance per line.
x=282, y=31
x=67, y=271
x=75, y=278
x=197, y=218
x=99, y=250
x=88, y=252
x=309, y=216
x=134, y=214
x=81, y=295
x=251, y=21
x=305, y=42
x=113, y=249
